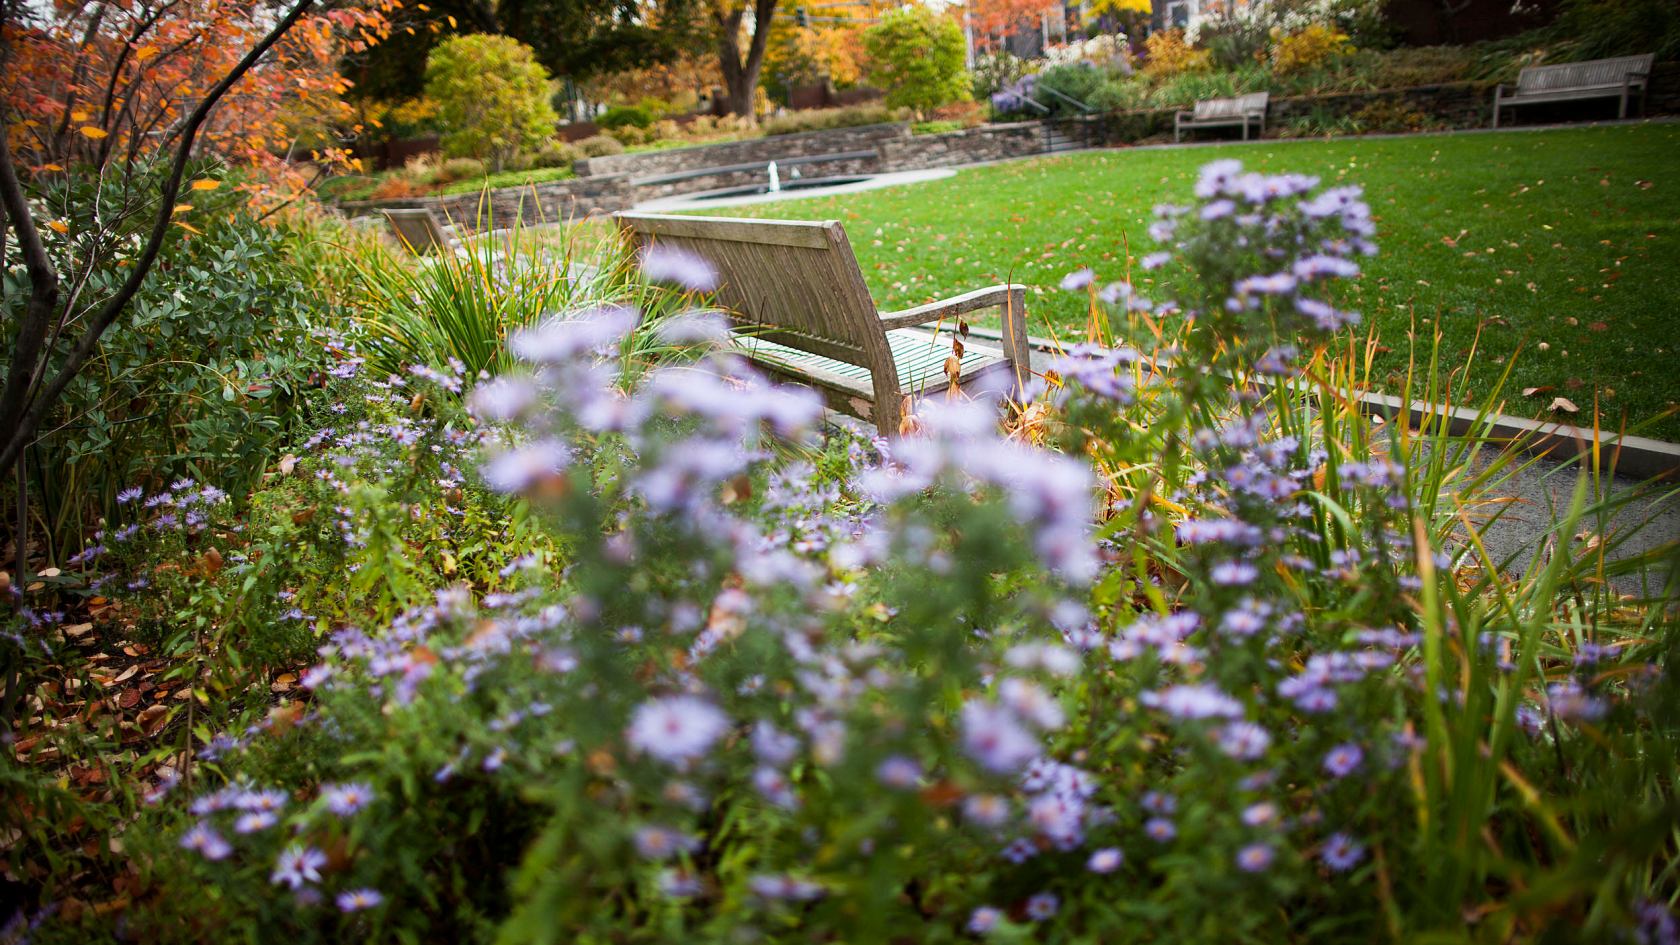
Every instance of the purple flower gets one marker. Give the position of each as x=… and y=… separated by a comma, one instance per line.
x=1244, y=740
x=518, y=469
x=347, y=799
x=1106, y=860
x=1233, y=573
x=1570, y=702
x=1341, y=852
x=1322, y=267
x=662, y=843
x=129, y=495
x=1042, y=906
x=899, y=772
x=1155, y=260
x=255, y=821
x=298, y=865
x=995, y=737
x=1193, y=701
x=503, y=398
x=1255, y=857
x=676, y=729
x=661, y=263
x=355, y=900
x=1078, y=279
x=1343, y=760
x=1159, y=829
x=558, y=340
x=204, y=840
x=984, y=919
x=988, y=810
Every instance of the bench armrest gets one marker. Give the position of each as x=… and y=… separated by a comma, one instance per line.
x=990, y=297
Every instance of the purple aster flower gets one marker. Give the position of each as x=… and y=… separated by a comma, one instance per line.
x=1244, y=740
x=1042, y=906
x=1078, y=279
x=503, y=398
x=1341, y=852
x=254, y=821
x=1279, y=283
x=129, y=495
x=662, y=843
x=1106, y=860
x=661, y=263
x=1157, y=802
x=205, y=841
x=1233, y=573
x=1255, y=857
x=1218, y=177
x=767, y=886
x=1343, y=760
x=518, y=469
x=995, y=737
x=298, y=865
x=1159, y=829
x=1155, y=260
x=676, y=729
x=347, y=799
x=565, y=339
x=1571, y=702
x=899, y=772
x=1193, y=701
x=984, y=919
x=355, y=900
x=989, y=810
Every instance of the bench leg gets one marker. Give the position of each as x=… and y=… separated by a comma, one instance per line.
x=1621, y=109
x=1496, y=114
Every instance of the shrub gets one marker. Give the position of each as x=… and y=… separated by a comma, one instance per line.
x=461, y=168
x=620, y=116
x=492, y=95
x=1119, y=95
x=1167, y=54
x=201, y=375
x=996, y=70
x=1078, y=81
x=554, y=153
x=1310, y=48
x=396, y=186
x=822, y=119
x=598, y=146
x=918, y=56
x=1597, y=29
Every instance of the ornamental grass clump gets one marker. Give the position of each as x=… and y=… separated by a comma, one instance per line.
x=1224, y=666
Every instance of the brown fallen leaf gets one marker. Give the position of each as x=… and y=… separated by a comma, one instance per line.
x=283, y=682
x=1537, y=391
x=152, y=719
x=78, y=630
x=129, y=698
x=1564, y=404
x=288, y=462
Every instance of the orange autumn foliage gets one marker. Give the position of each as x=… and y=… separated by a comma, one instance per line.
x=106, y=82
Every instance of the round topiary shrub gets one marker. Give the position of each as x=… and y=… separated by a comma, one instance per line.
x=620, y=116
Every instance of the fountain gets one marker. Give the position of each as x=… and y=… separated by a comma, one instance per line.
x=775, y=180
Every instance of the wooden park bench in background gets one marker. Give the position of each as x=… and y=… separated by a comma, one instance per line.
x=1566, y=82
x=1223, y=113
x=803, y=312
x=420, y=232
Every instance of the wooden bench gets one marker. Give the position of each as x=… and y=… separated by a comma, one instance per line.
x=803, y=312
x=1223, y=113
x=1599, y=78
x=420, y=232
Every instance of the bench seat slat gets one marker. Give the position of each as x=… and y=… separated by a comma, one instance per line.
x=919, y=357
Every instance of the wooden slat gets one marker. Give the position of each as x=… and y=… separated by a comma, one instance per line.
x=800, y=233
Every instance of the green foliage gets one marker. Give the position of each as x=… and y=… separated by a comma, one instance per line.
x=1598, y=29
x=517, y=178
x=1078, y=81
x=462, y=168
x=492, y=96
x=620, y=116
x=199, y=377
x=554, y=153
x=918, y=56
x=996, y=70
x=599, y=146
x=822, y=119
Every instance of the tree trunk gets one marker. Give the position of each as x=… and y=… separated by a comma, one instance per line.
x=740, y=77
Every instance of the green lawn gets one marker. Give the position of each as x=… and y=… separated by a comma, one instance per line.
x=1570, y=238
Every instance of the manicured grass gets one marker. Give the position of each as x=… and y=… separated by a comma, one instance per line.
x=1568, y=238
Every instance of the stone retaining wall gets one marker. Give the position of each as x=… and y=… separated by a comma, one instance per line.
x=608, y=184
x=750, y=151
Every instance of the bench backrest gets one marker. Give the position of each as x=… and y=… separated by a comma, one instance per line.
x=791, y=281
x=1251, y=104
x=1583, y=75
x=418, y=230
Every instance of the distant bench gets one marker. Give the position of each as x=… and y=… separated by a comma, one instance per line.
x=676, y=176
x=1571, y=81
x=1224, y=113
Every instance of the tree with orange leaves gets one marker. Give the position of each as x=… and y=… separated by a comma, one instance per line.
x=1004, y=17
x=127, y=93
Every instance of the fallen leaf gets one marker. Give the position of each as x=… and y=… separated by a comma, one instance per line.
x=152, y=718
x=78, y=630
x=288, y=462
x=1564, y=404
x=206, y=184
x=283, y=682
x=90, y=131
x=1536, y=391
